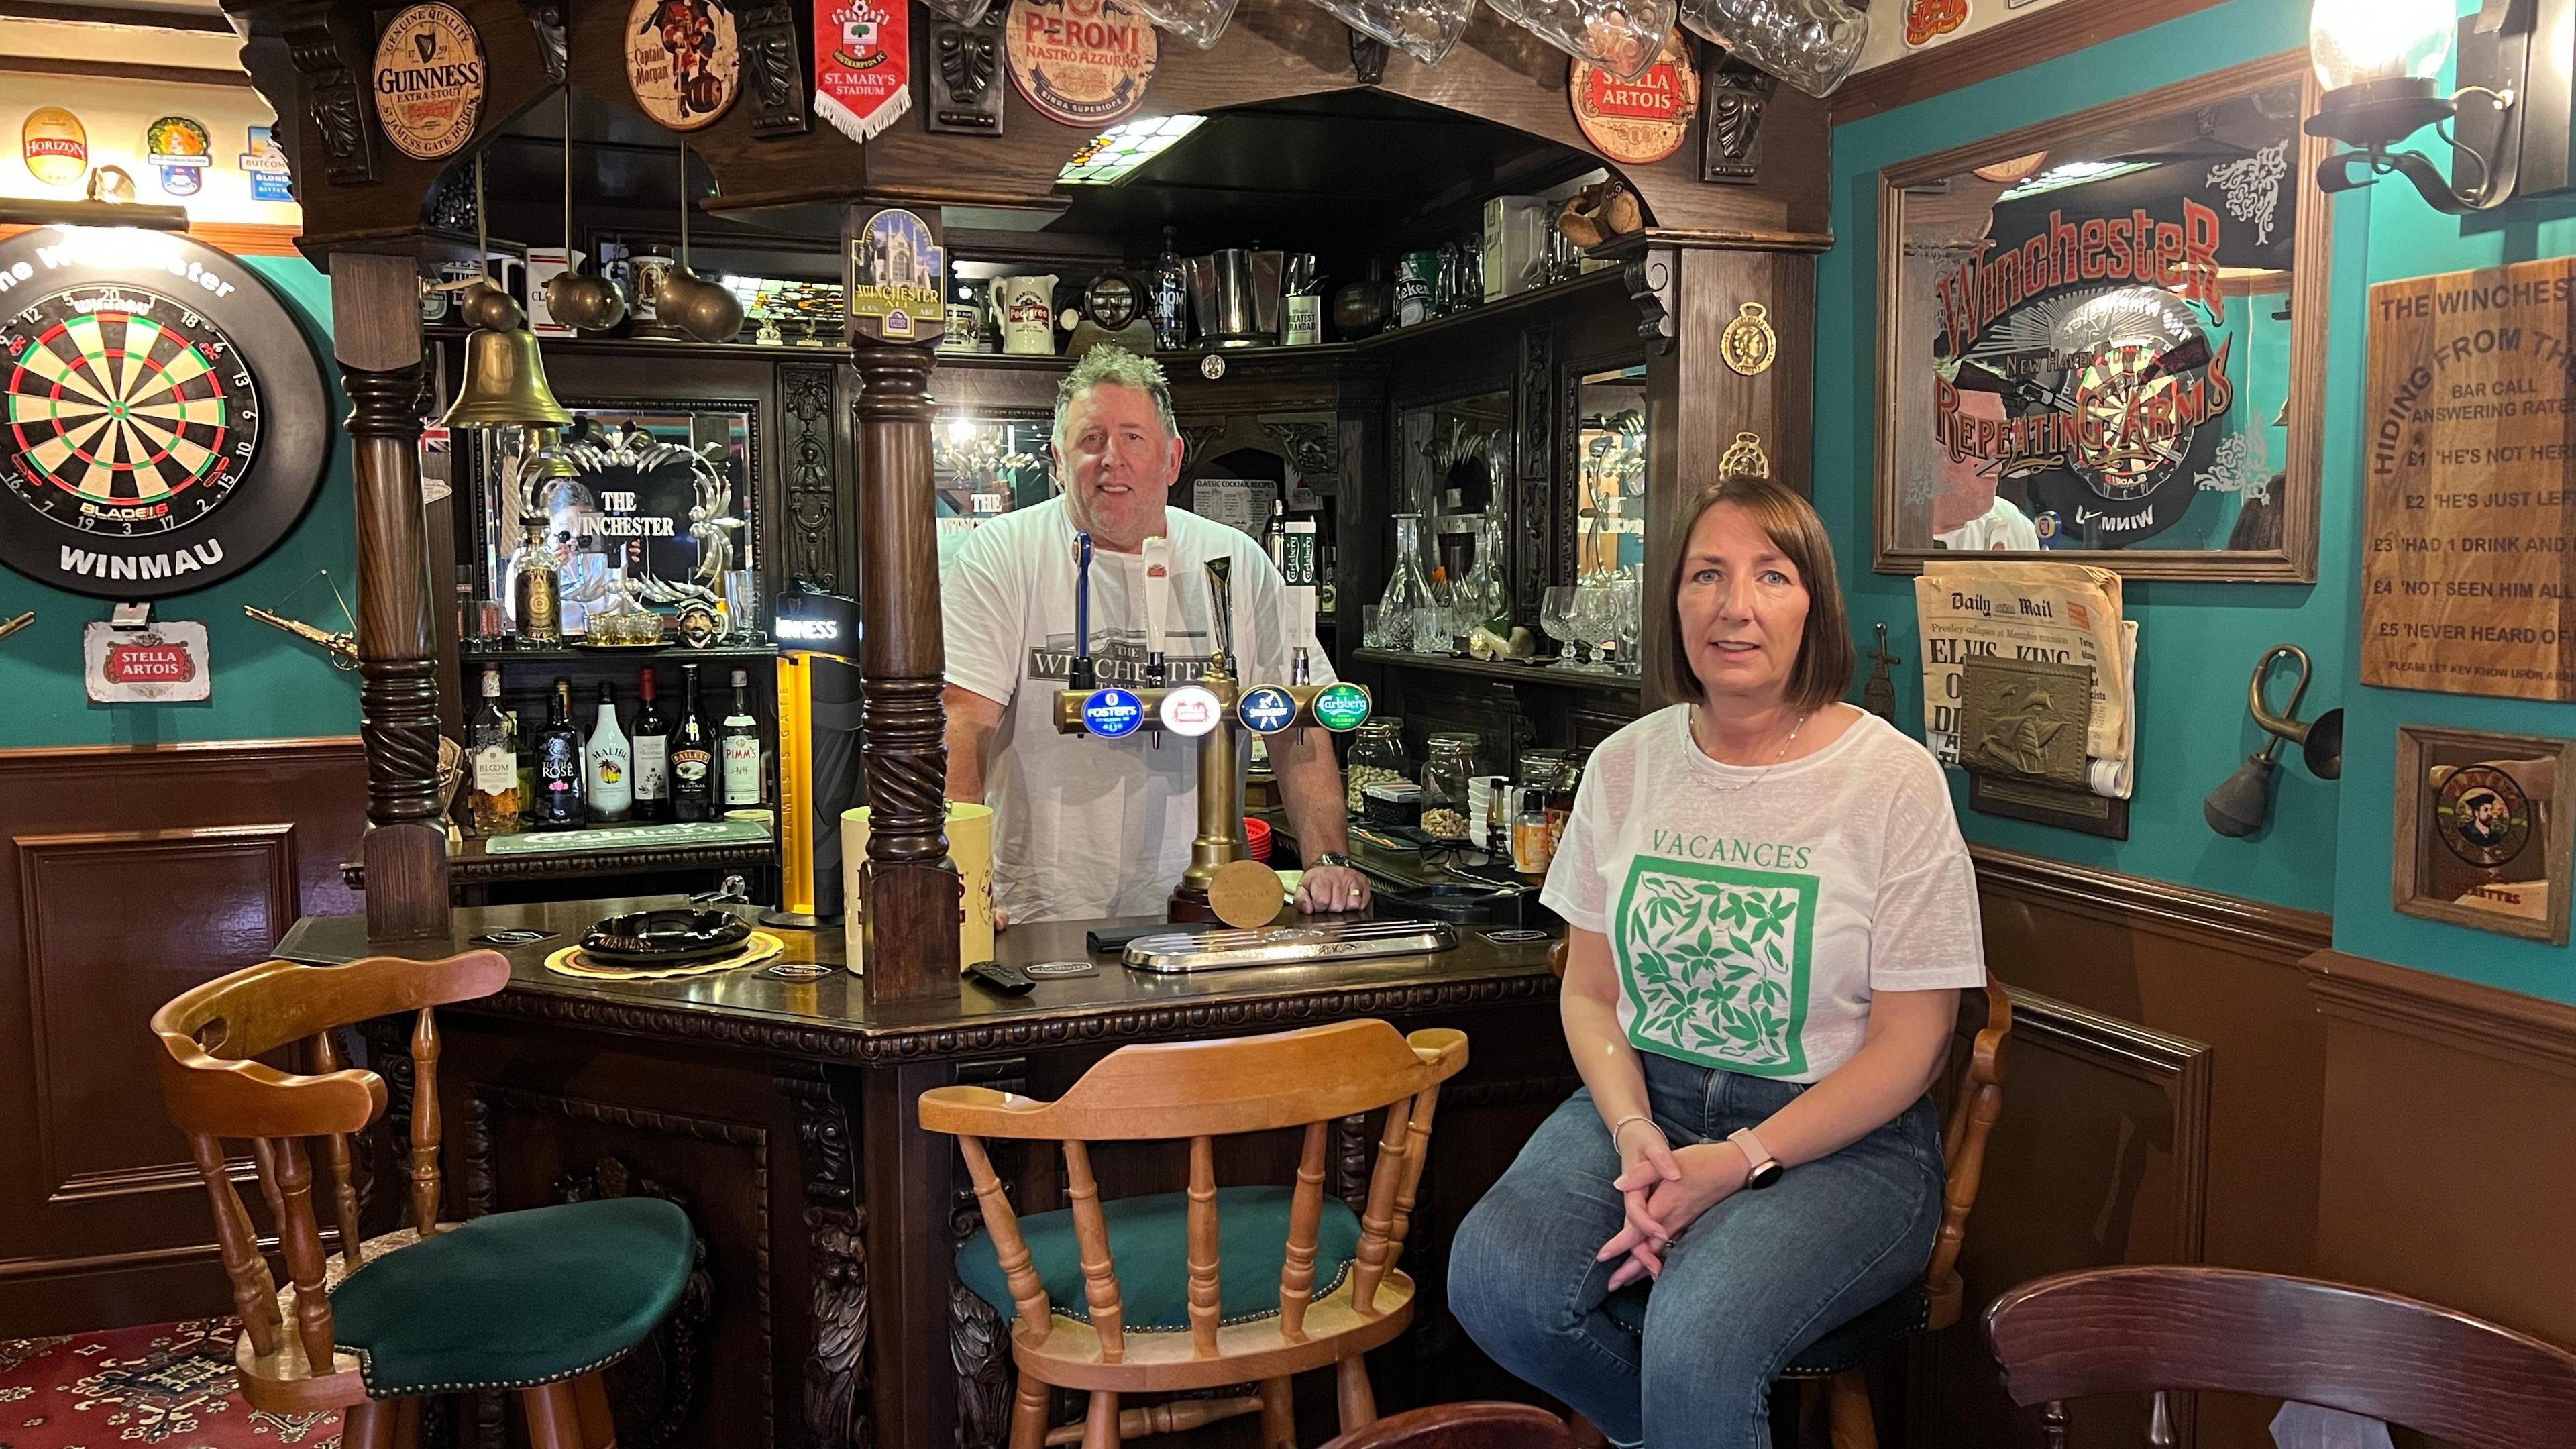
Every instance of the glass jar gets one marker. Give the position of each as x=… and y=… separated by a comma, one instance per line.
x=1407, y=590
x=1377, y=756
x=1541, y=768
x=1448, y=760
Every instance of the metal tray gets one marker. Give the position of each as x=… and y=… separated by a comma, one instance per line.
x=1287, y=945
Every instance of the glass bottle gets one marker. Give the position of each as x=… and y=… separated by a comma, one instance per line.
x=652, y=752
x=1482, y=600
x=523, y=748
x=693, y=756
x=738, y=747
x=1449, y=758
x=559, y=784
x=495, y=753
x=1408, y=590
x=1377, y=756
x=1171, y=297
x=536, y=589
x=612, y=764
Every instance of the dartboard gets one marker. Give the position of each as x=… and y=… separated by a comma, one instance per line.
x=161, y=415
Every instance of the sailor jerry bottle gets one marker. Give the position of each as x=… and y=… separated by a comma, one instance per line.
x=495, y=755
x=652, y=747
x=558, y=805
x=738, y=747
x=612, y=791
x=693, y=756
x=536, y=594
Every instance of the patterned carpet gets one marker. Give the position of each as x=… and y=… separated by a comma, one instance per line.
x=167, y=1384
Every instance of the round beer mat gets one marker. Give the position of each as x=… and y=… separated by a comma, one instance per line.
x=572, y=961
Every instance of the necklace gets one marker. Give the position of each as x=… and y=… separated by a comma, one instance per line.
x=1766, y=769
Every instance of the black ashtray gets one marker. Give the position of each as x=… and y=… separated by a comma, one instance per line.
x=664, y=938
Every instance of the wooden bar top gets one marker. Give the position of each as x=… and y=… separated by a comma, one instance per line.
x=832, y=1018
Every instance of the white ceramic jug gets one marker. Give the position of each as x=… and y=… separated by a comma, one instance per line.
x=1026, y=308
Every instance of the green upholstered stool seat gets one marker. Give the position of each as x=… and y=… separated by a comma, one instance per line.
x=515, y=1299
x=1149, y=1241
x=1847, y=1345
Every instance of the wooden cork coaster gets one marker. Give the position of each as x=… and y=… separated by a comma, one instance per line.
x=1245, y=894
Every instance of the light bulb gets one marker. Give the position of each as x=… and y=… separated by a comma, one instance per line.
x=2351, y=41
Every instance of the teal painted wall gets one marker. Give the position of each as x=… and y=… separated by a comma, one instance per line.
x=266, y=685
x=2327, y=848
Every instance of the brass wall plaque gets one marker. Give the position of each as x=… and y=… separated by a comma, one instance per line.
x=1744, y=458
x=1748, y=344
x=2024, y=717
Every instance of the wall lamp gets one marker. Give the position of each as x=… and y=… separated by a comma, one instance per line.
x=2508, y=124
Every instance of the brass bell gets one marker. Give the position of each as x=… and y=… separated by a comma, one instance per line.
x=505, y=384
x=546, y=446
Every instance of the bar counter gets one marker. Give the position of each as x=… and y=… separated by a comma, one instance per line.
x=779, y=1114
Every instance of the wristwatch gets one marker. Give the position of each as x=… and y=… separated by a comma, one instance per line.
x=1764, y=1168
x=1331, y=857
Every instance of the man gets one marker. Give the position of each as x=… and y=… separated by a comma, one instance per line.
x=1083, y=827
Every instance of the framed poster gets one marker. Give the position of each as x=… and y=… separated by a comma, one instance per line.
x=2482, y=839
x=2102, y=338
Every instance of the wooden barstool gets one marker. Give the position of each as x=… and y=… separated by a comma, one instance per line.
x=538, y=1301
x=1214, y=1286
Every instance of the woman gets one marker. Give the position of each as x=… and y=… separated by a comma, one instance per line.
x=1770, y=914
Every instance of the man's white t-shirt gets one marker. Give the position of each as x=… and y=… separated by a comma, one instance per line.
x=2000, y=527
x=1087, y=827
x=1751, y=913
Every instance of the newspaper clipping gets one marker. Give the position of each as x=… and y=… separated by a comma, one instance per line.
x=2061, y=613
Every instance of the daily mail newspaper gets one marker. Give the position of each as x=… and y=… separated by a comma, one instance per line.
x=2065, y=613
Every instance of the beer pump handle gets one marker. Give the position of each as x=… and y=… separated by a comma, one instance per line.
x=1158, y=604
x=1080, y=675
x=1221, y=608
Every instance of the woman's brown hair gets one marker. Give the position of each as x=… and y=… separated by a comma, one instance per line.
x=1825, y=659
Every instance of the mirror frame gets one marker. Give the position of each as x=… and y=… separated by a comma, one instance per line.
x=2295, y=560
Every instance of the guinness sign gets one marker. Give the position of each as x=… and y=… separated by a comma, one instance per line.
x=429, y=81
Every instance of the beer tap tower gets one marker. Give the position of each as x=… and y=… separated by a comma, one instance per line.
x=1210, y=709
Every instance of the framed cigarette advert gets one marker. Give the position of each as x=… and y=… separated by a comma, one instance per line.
x=2482, y=839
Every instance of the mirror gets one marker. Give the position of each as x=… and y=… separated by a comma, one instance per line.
x=1457, y=471
x=1609, y=468
x=984, y=465
x=2101, y=338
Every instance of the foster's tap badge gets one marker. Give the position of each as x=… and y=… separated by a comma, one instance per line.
x=1113, y=713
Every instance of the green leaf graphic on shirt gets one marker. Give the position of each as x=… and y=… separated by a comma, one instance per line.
x=1714, y=961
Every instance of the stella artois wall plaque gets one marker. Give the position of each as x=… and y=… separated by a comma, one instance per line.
x=429, y=81
x=1641, y=121
x=683, y=61
x=1080, y=62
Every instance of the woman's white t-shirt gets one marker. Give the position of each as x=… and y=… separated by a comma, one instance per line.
x=1753, y=912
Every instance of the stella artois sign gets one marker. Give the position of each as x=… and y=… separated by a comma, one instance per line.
x=1638, y=122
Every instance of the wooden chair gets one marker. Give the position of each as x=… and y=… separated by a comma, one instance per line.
x=1484, y=1425
x=1836, y=1361
x=1311, y=1283
x=2154, y=1329
x=537, y=1301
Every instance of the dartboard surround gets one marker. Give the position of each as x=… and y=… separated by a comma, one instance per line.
x=161, y=421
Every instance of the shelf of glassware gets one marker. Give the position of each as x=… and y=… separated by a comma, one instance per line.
x=1552, y=673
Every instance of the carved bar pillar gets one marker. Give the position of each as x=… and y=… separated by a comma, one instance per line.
x=375, y=317
x=911, y=886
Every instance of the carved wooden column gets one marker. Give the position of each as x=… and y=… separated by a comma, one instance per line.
x=375, y=320
x=911, y=886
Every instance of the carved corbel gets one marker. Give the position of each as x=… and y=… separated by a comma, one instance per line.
x=330, y=48
x=1732, y=98
x=967, y=92
x=774, y=72
x=1653, y=276
x=546, y=17
x=1368, y=58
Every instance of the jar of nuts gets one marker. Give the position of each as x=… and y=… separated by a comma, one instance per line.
x=1448, y=761
x=1377, y=755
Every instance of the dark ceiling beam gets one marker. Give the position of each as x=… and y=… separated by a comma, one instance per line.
x=128, y=15
x=185, y=75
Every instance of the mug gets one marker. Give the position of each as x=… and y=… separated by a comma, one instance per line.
x=1026, y=307
x=965, y=320
x=970, y=844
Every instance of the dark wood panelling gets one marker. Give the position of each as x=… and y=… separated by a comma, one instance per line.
x=2450, y=1159
x=2062, y=30
x=130, y=875
x=2164, y=1103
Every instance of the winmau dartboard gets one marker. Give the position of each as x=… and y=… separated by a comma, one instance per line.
x=164, y=421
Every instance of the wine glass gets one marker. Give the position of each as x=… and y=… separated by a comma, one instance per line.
x=1556, y=618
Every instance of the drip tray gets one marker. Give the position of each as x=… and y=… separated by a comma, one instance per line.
x=1181, y=951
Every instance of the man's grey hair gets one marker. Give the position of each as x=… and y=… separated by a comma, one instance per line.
x=1105, y=365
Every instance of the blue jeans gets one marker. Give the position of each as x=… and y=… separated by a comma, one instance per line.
x=1756, y=1279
